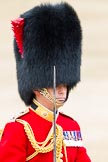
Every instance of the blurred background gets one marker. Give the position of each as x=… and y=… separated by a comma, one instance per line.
x=88, y=102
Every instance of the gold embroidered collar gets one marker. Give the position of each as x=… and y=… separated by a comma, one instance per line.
x=43, y=111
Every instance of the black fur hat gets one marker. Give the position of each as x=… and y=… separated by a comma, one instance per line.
x=51, y=35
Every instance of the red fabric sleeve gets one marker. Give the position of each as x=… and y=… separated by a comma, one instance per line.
x=82, y=155
x=13, y=143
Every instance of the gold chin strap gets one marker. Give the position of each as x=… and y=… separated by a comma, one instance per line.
x=46, y=94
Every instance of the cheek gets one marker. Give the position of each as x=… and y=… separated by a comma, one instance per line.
x=51, y=92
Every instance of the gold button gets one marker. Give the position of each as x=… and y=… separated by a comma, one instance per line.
x=45, y=113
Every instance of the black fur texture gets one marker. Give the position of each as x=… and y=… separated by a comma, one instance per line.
x=52, y=36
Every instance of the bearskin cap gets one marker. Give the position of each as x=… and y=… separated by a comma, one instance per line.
x=51, y=36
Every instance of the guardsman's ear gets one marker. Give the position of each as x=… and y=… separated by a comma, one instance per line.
x=36, y=92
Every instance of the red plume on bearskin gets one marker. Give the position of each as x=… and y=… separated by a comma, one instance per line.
x=17, y=27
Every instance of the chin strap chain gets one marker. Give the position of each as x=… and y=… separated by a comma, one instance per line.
x=46, y=94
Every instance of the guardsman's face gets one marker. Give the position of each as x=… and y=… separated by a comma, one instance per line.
x=61, y=92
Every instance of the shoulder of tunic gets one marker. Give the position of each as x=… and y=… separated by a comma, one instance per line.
x=65, y=115
x=20, y=114
x=69, y=119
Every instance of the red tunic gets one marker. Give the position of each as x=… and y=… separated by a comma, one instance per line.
x=15, y=146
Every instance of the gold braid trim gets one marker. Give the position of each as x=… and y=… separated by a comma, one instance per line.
x=65, y=152
x=1, y=132
x=48, y=144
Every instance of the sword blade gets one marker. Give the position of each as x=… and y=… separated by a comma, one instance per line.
x=54, y=112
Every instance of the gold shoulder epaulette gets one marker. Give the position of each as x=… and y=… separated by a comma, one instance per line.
x=13, y=119
x=19, y=114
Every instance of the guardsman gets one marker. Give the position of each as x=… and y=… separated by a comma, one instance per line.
x=44, y=37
